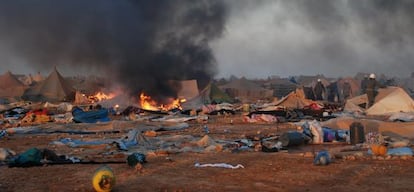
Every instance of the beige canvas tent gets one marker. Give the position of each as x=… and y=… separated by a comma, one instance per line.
x=10, y=86
x=53, y=88
x=80, y=98
x=188, y=89
x=295, y=100
x=389, y=100
x=38, y=77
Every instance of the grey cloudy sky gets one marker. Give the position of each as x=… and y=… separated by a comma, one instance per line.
x=292, y=37
x=331, y=37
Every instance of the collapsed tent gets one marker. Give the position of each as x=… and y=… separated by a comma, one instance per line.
x=54, y=88
x=389, y=100
x=10, y=86
x=196, y=99
x=294, y=100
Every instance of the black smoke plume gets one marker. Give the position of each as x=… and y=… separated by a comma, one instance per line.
x=141, y=43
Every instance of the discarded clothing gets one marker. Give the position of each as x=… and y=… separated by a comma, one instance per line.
x=37, y=157
x=313, y=130
x=136, y=158
x=15, y=113
x=323, y=158
x=222, y=165
x=37, y=116
x=260, y=118
x=31, y=157
x=328, y=134
x=6, y=154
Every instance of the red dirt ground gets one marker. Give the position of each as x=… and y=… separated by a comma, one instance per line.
x=278, y=171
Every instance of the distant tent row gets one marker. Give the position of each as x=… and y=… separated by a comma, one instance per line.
x=56, y=88
x=53, y=88
x=36, y=88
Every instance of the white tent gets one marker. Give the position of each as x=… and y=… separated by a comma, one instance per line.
x=389, y=100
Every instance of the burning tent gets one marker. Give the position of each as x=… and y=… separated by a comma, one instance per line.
x=188, y=89
x=54, y=88
x=80, y=98
x=389, y=100
x=188, y=97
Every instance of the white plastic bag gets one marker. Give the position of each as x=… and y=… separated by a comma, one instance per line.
x=317, y=132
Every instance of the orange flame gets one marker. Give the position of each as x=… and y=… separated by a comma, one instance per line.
x=148, y=103
x=100, y=96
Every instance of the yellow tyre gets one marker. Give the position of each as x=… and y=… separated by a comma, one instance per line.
x=103, y=179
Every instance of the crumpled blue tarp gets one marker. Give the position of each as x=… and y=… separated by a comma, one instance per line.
x=124, y=143
x=80, y=116
x=400, y=151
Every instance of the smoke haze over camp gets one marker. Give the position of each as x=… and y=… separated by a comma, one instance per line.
x=331, y=37
x=148, y=42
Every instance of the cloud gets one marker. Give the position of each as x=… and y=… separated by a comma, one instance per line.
x=331, y=37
